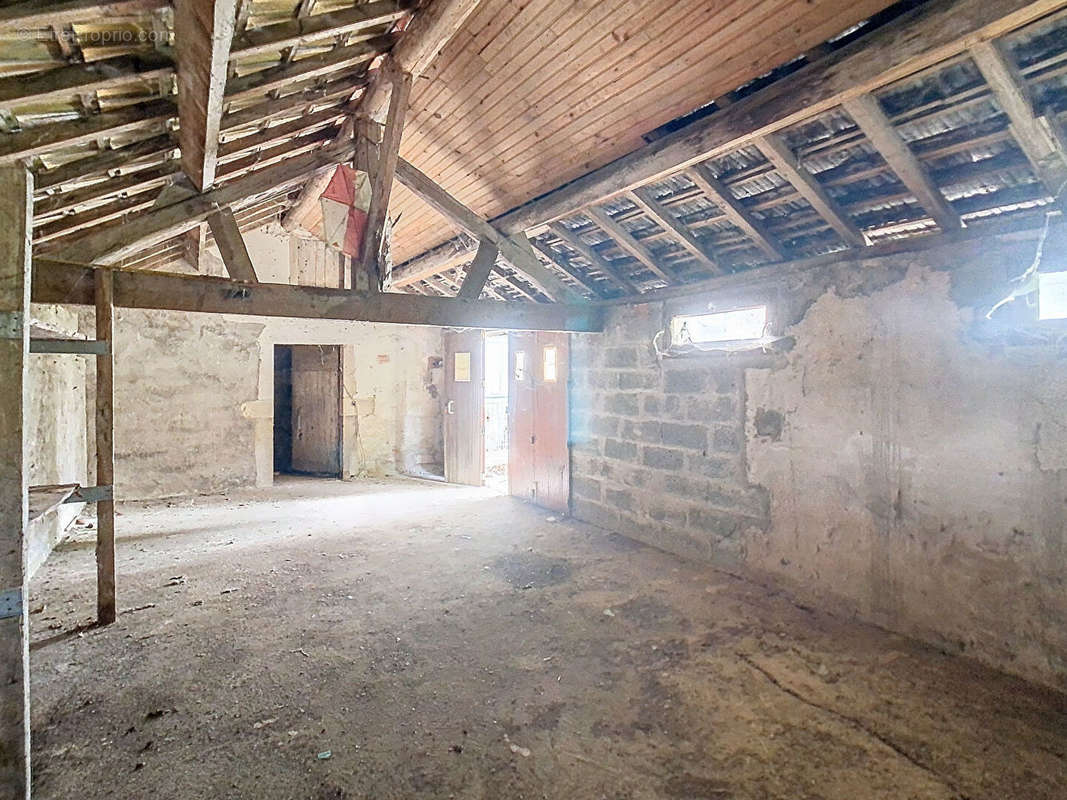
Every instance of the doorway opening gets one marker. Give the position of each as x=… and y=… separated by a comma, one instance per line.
x=496, y=412
x=307, y=410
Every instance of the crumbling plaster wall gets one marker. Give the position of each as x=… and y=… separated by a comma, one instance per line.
x=912, y=456
x=194, y=392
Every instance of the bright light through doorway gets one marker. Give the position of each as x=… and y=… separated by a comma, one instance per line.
x=496, y=412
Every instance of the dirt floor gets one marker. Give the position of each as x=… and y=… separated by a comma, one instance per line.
x=401, y=639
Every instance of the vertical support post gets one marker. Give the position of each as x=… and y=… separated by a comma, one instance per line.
x=105, y=448
x=382, y=185
x=16, y=204
x=364, y=273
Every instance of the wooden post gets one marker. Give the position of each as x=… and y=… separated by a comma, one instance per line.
x=16, y=206
x=105, y=449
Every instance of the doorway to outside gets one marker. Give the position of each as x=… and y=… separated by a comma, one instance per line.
x=496, y=412
x=307, y=409
x=505, y=422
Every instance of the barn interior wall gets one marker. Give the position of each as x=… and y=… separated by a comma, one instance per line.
x=194, y=392
x=55, y=429
x=899, y=458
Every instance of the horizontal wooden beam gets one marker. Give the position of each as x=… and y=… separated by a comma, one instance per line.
x=40, y=14
x=79, y=347
x=113, y=242
x=65, y=82
x=63, y=282
x=303, y=30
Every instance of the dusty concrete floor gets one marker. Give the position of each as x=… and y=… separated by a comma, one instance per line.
x=440, y=642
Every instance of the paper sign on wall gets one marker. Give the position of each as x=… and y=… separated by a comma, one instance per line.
x=463, y=368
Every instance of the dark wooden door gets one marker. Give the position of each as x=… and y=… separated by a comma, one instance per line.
x=464, y=407
x=539, y=458
x=316, y=409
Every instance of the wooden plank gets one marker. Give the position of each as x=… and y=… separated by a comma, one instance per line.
x=478, y=271
x=109, y=244
x=66, y=82
x=203, y=30
x=466, y=219
x=718, y=193
x=232, y=246
x=916, y=40
x=644, y=199
x=303, y=30
x=385, y=169
x=789, y=167
x=1013, y=96
x=624, y=239
x=45, y=138
x=597, y=261
x=15, y=226
x=64, y=282
x=103, y=290
x=41, y=13
x=867, y=113
x=301, y=102
x=235, y=147
x=257, y=84
x=105, y=161
x=563, y=264
x=446, y=256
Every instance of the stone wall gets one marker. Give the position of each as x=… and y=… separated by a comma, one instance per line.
x=898, y=457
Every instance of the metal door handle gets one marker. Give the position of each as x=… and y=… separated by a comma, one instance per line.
x=451, y=407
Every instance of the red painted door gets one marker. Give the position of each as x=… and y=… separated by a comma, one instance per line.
x=464, y=407
x=539, y=459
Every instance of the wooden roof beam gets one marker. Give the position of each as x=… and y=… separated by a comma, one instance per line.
x=63, y=282
x=735, y=212
x=113, y=242
x=520, y=258
x=40, y=14
x=597, y=261
x=867, y=113
x=231, y=246
x=203, y=30
x=65, y=82
x=626, y=240
x=478, y=271
x=789, y=167
x=1013, y=96
x=303, y=30
x=645, y=199
x=565, y=266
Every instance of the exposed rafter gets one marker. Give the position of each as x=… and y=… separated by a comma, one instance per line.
x=721, y=196
x=628, y=242
x=644, y=199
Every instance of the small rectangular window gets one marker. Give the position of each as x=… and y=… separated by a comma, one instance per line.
x=550, y=364
x=719, y=326
x=1052, y=295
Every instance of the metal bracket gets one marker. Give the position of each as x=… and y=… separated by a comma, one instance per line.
x=11, y=603
x=11, y=324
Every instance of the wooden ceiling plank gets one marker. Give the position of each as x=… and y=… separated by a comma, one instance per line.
x=807, y=185
x=234, y=148
x=305, y=29
x=597, y=261
x=466, y=219
x=645, y=199
x=203, y=30
x=42, y=13
x=296, y=103
x=626, y=241
x=57, y=281
x=916, y=40
x=104, y=162
x=1013, y=96
x=735, y=212
x=111, y=243
x=478, y=271
x=66, y=82
x=867, y=113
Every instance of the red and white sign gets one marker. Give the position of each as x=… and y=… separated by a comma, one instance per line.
x=345, y=204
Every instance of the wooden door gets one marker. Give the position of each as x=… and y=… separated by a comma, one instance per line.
x=464, y=407
x=539, y=457
x=552, y=474
x=316, y=414
x=522, y=347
